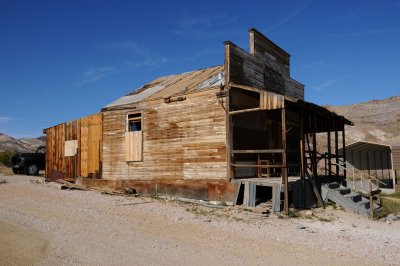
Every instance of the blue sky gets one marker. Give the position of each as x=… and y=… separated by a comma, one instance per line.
x=60, y=60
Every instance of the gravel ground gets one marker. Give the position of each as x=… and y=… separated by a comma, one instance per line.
x=43, y=225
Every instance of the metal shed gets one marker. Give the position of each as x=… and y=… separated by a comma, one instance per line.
x=381, y=161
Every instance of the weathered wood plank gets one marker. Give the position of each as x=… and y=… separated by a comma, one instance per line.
x=184, y=144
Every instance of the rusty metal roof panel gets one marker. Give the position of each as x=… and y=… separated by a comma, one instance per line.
x=172, y=85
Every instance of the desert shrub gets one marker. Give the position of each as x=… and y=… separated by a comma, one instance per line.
x=391, y=204
x=5, y=157
x=393, y=195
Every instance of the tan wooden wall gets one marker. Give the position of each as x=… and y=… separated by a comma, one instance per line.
x=183, y=140
x=87, y=162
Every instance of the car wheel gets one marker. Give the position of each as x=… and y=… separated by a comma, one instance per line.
x=15, y=171
x=32, y=169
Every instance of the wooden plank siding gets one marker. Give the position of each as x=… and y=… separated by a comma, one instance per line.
x=87, y=162
x=182, y=140
x=249, y=69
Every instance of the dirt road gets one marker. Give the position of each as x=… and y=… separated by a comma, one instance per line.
x=43, y=225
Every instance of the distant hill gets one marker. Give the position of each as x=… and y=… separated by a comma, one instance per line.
x=8, y=143
x=374, y=121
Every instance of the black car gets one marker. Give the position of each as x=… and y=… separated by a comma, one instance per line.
x=29, y=163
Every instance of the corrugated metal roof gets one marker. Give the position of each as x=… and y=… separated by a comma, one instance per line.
x=367, y=146
x=174, y=85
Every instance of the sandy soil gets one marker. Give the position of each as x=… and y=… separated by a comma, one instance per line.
x=43, y=225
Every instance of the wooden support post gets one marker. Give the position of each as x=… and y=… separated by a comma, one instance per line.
x=284, y=170
x=392, y=170
x=369, y=170
x=371, y=199
x=362, y=177
x=329, y=155
x=344, y=152
x=249, y=197
x=314, y=143
x=230, y=169
x=276, y=198
x=381, y=165
x=314, y=161
x=375, y=168
x=229, y=137
x=302, y=146
x=302, y=155
x=336, y=152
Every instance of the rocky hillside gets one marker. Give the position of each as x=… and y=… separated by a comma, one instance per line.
x=8, y=143
x=374, y=121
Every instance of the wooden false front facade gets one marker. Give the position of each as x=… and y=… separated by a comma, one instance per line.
x=207, y=133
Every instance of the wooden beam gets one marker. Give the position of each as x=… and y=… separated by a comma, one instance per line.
x=315, y=189
x=248, y=88
x=258, y=151
x=257, y=165
x=259, y=90
x=244, y=111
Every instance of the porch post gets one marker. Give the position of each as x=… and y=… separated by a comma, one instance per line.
x=229, y=157
x=344, y=152
x=284, y=170
x=336, y=152
x=329, y=155
x=302, y=146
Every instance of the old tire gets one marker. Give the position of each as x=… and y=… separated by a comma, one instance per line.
x=32, y=169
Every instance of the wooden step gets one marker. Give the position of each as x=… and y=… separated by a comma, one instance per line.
x=353, y=196
x=334, y=185
x=364, y=203
x=344, y=191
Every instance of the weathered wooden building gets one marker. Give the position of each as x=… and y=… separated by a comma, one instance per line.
x=75, y=148
x=234, y=132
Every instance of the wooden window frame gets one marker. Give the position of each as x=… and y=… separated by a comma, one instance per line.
x=138, y=118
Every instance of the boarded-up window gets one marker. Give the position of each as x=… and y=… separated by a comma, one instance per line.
x=70, y=147
x=133, y=138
